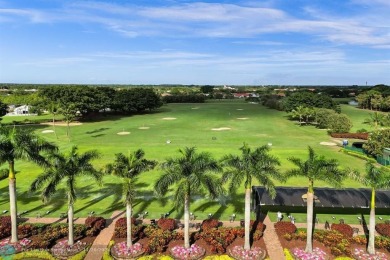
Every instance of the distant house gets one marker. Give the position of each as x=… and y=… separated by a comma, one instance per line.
x=21, y=110
x=241, y=95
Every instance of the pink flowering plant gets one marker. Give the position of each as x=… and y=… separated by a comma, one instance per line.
x=361, y=254
x=121, y=250
x=191, y=253
x=255, y=253
x=317, y=254
x=63, y=249
x=18, y=246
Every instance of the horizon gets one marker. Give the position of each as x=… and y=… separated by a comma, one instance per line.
x=235, y=43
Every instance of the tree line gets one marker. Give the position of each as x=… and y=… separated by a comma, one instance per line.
x=190, y=172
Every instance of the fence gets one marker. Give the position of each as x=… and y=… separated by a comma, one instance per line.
x=383, y=160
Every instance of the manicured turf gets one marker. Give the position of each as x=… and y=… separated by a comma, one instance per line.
x=192, y=127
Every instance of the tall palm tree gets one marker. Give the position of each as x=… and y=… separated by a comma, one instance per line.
x=128, y=168
x=20, y=144
x=66, y=167
x=376, y=120
x=315, y=168
x=375, y=178
x=189, y=173
x=257, y=164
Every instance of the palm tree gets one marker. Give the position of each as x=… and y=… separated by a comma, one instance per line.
x=257, y=164
x=66, y=167
x=189, y=173
x=375, y=120
x=128, y=168
x=20, y=144
x=53, y=109
x=375, y=178
x=315, y=168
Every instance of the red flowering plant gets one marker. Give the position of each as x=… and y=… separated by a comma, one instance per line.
x=166, y=224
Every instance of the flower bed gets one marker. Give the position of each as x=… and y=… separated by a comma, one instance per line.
x=192, y=253
x=361, y=254
x=317, y=254
x=255, y=253
x=7, y=248
x=121, y=250
x=62, y=249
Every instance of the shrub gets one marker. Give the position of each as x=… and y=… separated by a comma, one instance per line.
x=34, y=254
x=166, y=224
x=158, y=241
x=218, y=239
x=122, y=222
x=121, y=231
x=25, y=230
x=362, y=136
x=90, y=222
x=256, y=225
x=284, y=227
x=383, y=229
x=344, y=229
x=288, y=254
x=210, y=223
x=5, y=226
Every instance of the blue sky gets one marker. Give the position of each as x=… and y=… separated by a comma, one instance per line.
x=272, y=42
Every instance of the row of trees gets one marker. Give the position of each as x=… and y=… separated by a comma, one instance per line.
x=189, y=173
x=373, y=100
x=323, y=118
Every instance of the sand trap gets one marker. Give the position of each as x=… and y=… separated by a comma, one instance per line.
x=62, y=123
x=47, y=131
x=169, y=118
x=328, y=143
x=242, y=118
x=221, y=129
x=195, y=108
x=240, y=109
x=123, y=133
x=143, y=127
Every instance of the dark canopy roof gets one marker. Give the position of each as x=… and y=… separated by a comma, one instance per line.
x=326, y=197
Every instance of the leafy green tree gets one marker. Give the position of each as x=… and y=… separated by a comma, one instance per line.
x=207, y=89
x=303, y=114
x=67, y=168
x=128, y=169
x=377, y=141
x=322, y=117
x=20, y=144
x=315, y=168
x=308, y=99
x=257, y=164
x=375, y=178
x=3, y=109
x=190, y=173
x=339, y=123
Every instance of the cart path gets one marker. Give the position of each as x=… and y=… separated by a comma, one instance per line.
x=271, y=240
x=101, y=242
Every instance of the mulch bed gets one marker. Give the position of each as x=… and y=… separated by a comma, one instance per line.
x=302, y=244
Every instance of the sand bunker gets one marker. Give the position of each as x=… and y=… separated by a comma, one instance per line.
x=195, y=108
x=62, y=123
x=169, y=118
x=328, y=143
x=221, y=129
x=240, y=109
x=242, y=118
x=143, y=127
x=47, y=131
x=123, y=133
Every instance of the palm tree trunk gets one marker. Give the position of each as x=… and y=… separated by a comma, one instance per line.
x=186, y=221
x=247, y=244
x=371, y=233
x=70, y=225
x=68, y=130
x=309, y=221
x=128, y=224
x=13, y=205
x=54, y=126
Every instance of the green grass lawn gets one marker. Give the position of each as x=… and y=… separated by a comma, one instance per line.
x=192, y=127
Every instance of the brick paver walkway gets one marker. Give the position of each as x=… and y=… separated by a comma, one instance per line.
x=103, y=239
x=271, y=240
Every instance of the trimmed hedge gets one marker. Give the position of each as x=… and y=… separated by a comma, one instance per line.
x=362, y=136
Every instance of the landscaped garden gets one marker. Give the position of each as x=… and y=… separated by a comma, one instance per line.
x=219, y=129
